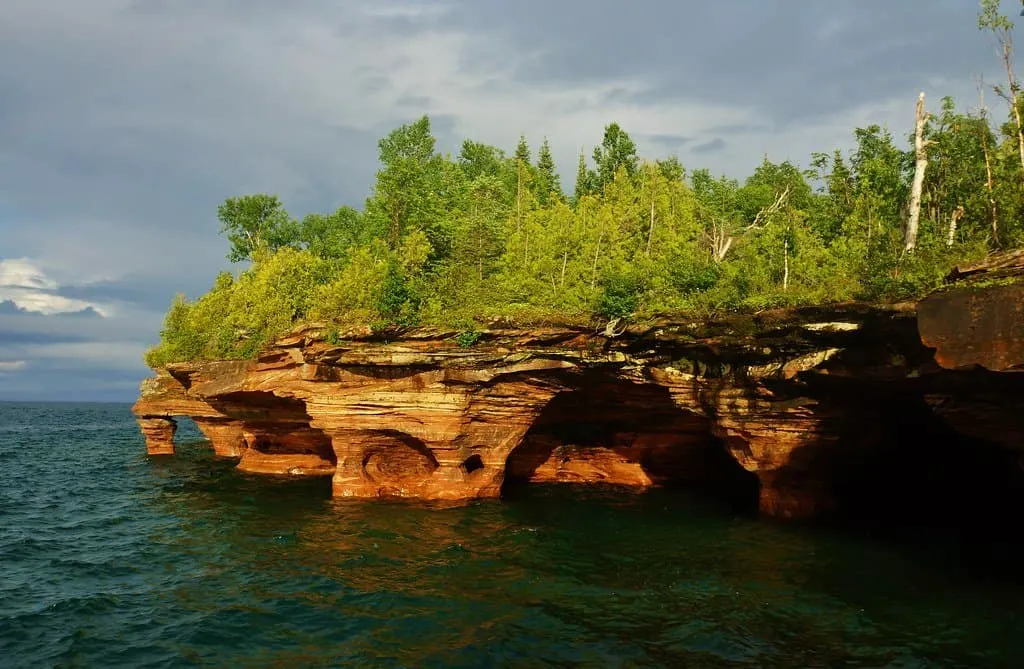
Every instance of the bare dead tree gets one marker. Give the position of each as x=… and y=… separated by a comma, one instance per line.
x=785, y=270
x=958, y=213
x=720, y=236
x=921, y=164
x=989, y=181
x=767, y=212
x=1002, y=29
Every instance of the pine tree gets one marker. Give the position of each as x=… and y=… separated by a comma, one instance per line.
x=584, y=179
x=549, y=186
x=522, y=151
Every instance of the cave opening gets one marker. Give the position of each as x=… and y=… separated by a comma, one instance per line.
x=892, y=459
x=275, y=426
x=473, y=463
x=613, y=431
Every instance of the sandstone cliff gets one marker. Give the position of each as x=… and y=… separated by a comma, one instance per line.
x=804, y=409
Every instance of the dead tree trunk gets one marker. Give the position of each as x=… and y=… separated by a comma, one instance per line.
x=958, y=213
x=719, y=240
x=785, y=271
x=650, y=229
x=921, y=155
x=989, y=181
x=1011, y=94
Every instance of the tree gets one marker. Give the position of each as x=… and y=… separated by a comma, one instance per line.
x=671, y=168
x=480, y=236
x=548, y=184
x=450, y=242
x=836, y=204
x=617, y=151
x=920, y=165
x=333, y=235
x=768, y=182
x=717, y=211
x=523, y=151
x=406, y=193
x=881, y=179
x=253, y=223
x=478, y=159
x=985, y=133
x=957, y=193
x=585, y=179
x=1001, y=27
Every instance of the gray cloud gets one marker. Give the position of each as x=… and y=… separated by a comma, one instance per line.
x=716, y=144
x=123, y=123
x=792, y=61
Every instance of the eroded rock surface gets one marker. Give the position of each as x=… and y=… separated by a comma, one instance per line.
x=791, y=407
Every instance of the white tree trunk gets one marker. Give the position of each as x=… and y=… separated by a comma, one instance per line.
x=957, y=214
x=989, y=181
x=1011, y=80
x=650, y=228
x=785, y=271
x=921, y=154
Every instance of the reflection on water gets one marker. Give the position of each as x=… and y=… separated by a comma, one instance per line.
x=113, y=559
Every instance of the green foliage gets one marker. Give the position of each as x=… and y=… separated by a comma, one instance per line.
x=990, y=18
x=617, y=151
x=585, y=179
x=620, y=295
x=690, y=275
x=333, y=235
x=333, y=337
x=548, y=185
x=454, y=242
x=408, y=192
x=467, y=338
x=396, y=302
x=254, y=224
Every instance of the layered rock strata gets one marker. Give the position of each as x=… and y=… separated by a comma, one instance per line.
x=793, y=406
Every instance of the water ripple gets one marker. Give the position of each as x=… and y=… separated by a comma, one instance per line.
x=112, y=559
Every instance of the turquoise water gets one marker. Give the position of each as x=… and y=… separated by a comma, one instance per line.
x=111, y=559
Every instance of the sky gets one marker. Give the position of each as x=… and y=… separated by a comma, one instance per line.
x=124, y=123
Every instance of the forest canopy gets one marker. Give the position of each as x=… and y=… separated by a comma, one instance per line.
x=457, y=241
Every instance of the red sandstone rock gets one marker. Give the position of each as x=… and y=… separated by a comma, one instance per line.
x=422, y=417
x=226, y=436
x=975, y=326
x=159, y=433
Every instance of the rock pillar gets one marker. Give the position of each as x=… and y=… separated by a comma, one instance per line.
x=159, y=434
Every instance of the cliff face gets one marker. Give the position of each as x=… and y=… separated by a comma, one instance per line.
x=797, y=409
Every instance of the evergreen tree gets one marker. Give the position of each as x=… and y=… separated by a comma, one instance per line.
x=548, y=184
x=584, y=180
x=522, y=151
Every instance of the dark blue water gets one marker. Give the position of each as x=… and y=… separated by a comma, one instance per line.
x=111, y=559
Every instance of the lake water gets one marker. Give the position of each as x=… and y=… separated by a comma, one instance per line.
x=111, y=559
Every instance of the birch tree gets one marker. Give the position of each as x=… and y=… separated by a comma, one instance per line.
x=920, y=165
x=1001, y=27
